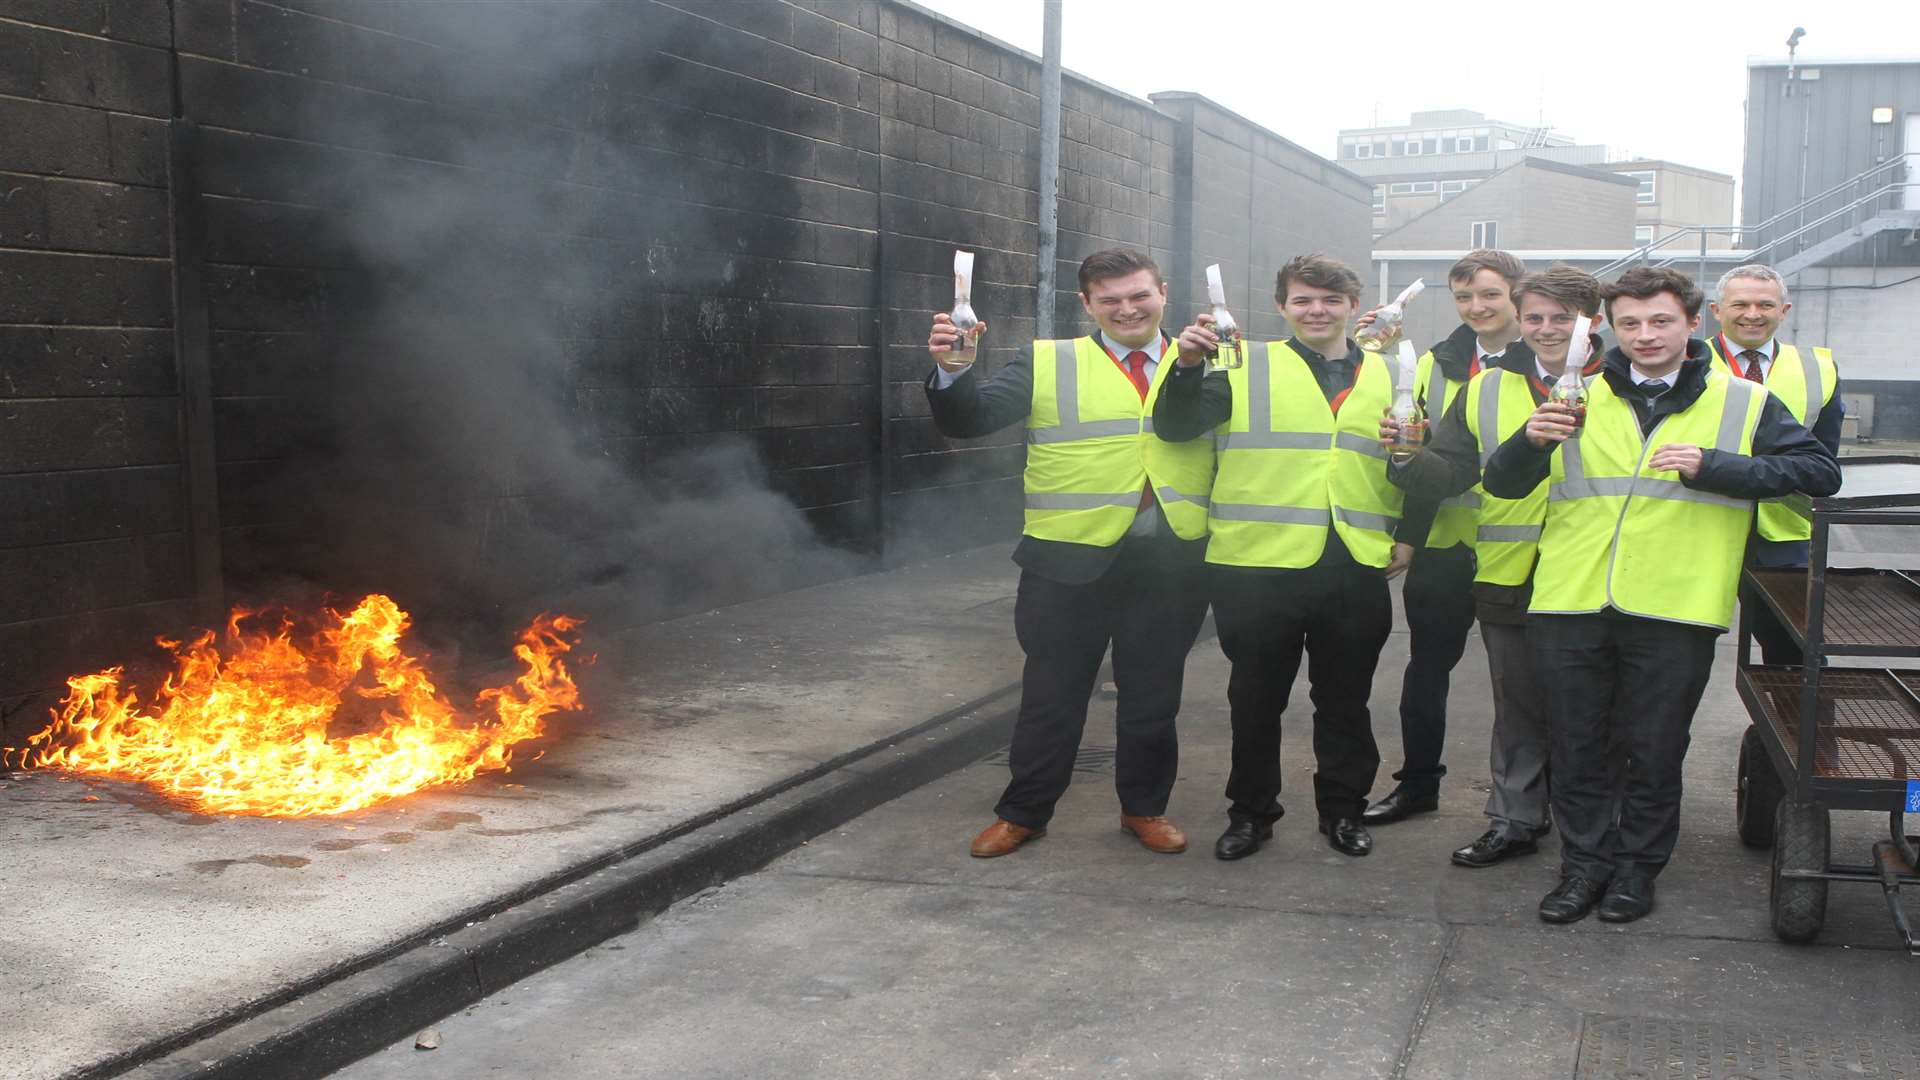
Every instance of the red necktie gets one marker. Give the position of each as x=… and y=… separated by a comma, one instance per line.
x=1137, y=371
x=1752, y=357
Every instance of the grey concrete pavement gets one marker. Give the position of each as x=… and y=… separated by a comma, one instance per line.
x=130, y=921
x=883, y=950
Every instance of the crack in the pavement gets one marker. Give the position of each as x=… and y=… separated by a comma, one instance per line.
x=1427, y=999
x=1485, y=924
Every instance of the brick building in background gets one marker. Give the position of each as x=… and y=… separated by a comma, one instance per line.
x=621, y=303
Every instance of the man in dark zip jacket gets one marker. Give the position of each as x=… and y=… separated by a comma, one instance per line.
x=1650, y=503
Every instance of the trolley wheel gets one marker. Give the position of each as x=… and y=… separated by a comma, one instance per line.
x=1800, y=842
x=1759, y=792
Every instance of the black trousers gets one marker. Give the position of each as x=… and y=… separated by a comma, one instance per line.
x=1340, y=616
x=1439, y=600
x=1621, y=694
x=1775, y=641
x=1149, y=605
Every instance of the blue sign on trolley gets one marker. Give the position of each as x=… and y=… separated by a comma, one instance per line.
x=1913, y=796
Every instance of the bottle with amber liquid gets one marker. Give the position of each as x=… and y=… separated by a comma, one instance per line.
x=1411, y=438
x=1570, y=389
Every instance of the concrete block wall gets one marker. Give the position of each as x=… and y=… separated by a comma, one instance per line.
x=1870, y=318
x=482, y=294
x=93, y=515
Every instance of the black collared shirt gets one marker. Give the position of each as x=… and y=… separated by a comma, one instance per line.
x=1335, y=376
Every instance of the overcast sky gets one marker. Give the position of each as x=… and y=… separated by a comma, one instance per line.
x=1660, y=80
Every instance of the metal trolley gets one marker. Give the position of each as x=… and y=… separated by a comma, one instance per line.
x=1861, y=722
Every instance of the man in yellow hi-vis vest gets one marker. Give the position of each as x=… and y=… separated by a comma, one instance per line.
x=1507, y=538
x=1650, y=496
x=1751, y=306
x=1303, y=538
x=1112, y=550
x=1438, y=594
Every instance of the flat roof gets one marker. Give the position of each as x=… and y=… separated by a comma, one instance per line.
x=1828, y=61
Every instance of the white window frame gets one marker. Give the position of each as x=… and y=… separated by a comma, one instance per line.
x=1364, y=150
x=1425, y=187
x=1484, y=234
x=1649, y=192
x=1643, y=235
x=1379, y=198
x=1452, y=187
x=1401, y=189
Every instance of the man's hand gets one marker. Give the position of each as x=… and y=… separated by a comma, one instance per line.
x=1685, y=460
x=940, y=341
x=1398, y=562
x=1389, y=430
x=1386, y=343
x=1551, y=423
x=1197, y=342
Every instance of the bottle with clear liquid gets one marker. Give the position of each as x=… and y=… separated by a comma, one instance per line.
x=1412, y=435
x=1570, y=389
x=1387, y=321
x=964, y=320
x=1232, y=352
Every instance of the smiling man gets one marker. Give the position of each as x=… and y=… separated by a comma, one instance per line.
x=1111, y=551
x=1648, y=509
x=1752, y=305
x=1303, y=538
x=1438, y=595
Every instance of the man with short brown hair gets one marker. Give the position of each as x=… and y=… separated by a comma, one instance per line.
x=1438, y=593
x=1111, y=552
x=1302, y=539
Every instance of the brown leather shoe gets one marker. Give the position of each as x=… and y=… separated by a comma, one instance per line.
x=1156, y=834
x=1001, y=837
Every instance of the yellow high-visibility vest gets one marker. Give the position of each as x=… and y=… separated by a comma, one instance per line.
x=1456, y=521
x=1507, y=533
x=1091, y=449
x=1620, y=535
x=1804, y=382
x=1289, y=468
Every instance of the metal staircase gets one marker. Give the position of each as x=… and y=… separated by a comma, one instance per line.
x=1882, y=199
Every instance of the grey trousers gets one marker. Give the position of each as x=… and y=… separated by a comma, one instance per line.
x=1520, y=751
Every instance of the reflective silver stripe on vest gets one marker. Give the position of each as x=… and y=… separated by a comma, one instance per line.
x=1816, y=400
x=1733, y=414
x=1468, y=501
x=1359, y=444
x=1066, y=393
x=1092, y=429
x=1273, y=515
x=1168, y=495
x=1361, y=519
x=1646, y=487
x=1080, y=501
x=1508, y=534
x=1489, y=419
x=1271, y=440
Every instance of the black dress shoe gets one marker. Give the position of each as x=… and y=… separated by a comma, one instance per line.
x=1627, y=899
x=1399, y=806
x=1242, y=839
x=1493, y=846
x=1571, y=899
x=1347, y=836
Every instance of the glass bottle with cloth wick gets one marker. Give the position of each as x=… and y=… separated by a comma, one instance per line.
x=1232, y=350
x=965, y=322
x=1411, y=436
x=1387, y=321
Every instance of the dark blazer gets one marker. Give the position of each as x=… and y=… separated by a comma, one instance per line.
x=972, y=408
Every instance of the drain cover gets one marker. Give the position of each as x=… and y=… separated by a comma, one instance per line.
x=1649, y=1048
x=1088, y=759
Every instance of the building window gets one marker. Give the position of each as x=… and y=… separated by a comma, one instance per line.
x=1399, y=146
x=1643, y=234
x=1450, y=188
x=1363, y=150
x=1380, y=147
x=1433, y=146
x=1485, y=234
x=1403, y=189
x=1462, y=145
x=1645, y=177
x=1346, y=150
x=1479, y=142
x=1424, y=187
x=1379, y=198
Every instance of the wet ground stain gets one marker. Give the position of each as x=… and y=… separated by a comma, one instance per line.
x=216, y=867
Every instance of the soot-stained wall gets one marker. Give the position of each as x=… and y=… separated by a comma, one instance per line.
x=618, y=306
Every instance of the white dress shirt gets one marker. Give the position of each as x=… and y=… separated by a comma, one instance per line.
x=1767, y=352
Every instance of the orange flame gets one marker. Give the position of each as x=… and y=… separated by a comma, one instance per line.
x=248, y=733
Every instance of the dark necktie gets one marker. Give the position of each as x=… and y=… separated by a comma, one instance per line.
x=1653, y=388
x=1137, y=371
x=1752, y=358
